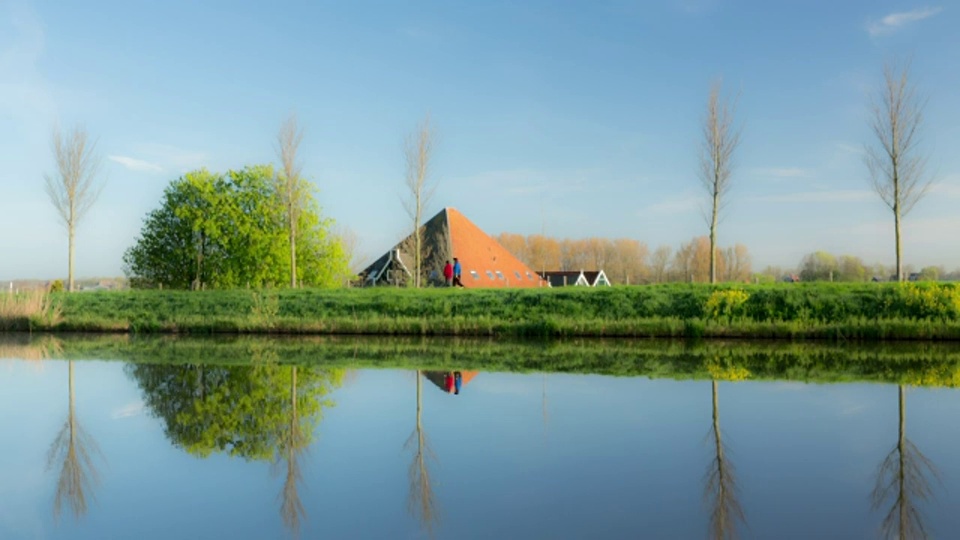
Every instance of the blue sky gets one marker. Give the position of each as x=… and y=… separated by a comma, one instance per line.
x=572, y=118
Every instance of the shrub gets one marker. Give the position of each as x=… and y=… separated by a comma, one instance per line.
x=930, y=301
x=726, y=303
x=56, y=286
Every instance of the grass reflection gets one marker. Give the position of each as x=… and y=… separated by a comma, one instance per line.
x=915, y=364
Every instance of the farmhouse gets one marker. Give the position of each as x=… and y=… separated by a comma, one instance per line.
x=484, y=262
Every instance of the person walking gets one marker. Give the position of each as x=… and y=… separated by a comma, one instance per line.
x=456, y=273
x=448, y=274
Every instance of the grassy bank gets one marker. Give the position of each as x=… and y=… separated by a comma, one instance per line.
x=923, y=364
x=870, y=311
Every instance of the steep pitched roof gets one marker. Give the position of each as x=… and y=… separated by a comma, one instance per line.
x=484, y=262
x=569, y=278
x=596, y=277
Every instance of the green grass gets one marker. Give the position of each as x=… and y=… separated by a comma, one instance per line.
x=915, y=363
x=869, y=311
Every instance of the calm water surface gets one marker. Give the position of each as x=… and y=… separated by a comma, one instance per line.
x=97, y=449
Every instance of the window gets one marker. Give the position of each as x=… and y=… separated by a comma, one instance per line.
x=529, y=275
x=474, y=274
x=373, y=275
x=500, y=274
x=489, y=274
x=518, y=274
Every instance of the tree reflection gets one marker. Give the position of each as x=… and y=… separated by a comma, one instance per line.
x=260, y=412
x=420, y=501
x=73, y=449
x=903, y=476
x=293, y=443
x=720, y=485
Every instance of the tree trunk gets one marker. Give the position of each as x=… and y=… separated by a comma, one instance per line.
x=896, y=232
x=901, y=448
x=70, y=235
x=418, y=263
x=713, y=239
x=293, y=256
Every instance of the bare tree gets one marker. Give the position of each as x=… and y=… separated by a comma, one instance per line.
x=418, y=150
x=290, y=185
x=720, y=140
x=659, y=262
x=897, y=170
x=73, y=188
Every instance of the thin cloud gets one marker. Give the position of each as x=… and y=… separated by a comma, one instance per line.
x=936, y=231
x=128, y=410
x=848, y=148
x=172, y=158
x=524, y=181
x=135, y=164
x=25, y=95
x=949, y=187
x=781, y=172
x=894, y=21
x=837, y=196
x=674, y=206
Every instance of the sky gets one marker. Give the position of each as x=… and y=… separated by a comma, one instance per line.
x=571, y=119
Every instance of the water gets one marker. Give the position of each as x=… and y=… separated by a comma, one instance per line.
x=221, y=450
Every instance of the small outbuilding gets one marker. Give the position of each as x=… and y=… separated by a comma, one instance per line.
x=583, y=278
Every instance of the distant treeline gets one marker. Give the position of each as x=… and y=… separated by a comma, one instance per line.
x=629, y=261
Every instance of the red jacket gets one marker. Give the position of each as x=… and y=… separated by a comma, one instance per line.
x=448, y=271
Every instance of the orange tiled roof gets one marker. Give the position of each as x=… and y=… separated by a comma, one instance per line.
x=484, y=262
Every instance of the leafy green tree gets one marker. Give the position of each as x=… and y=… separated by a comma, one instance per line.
x=818, y=266
x=930, y=273
x=851, y=268
x=228, y=231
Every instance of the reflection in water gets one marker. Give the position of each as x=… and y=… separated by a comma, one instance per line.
x=420, y=501
x=903, y=477
x=259, y=412
x=720, y=486
x=451, y=382
x=543, y=402
x=72, y=449
x=293, y=443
